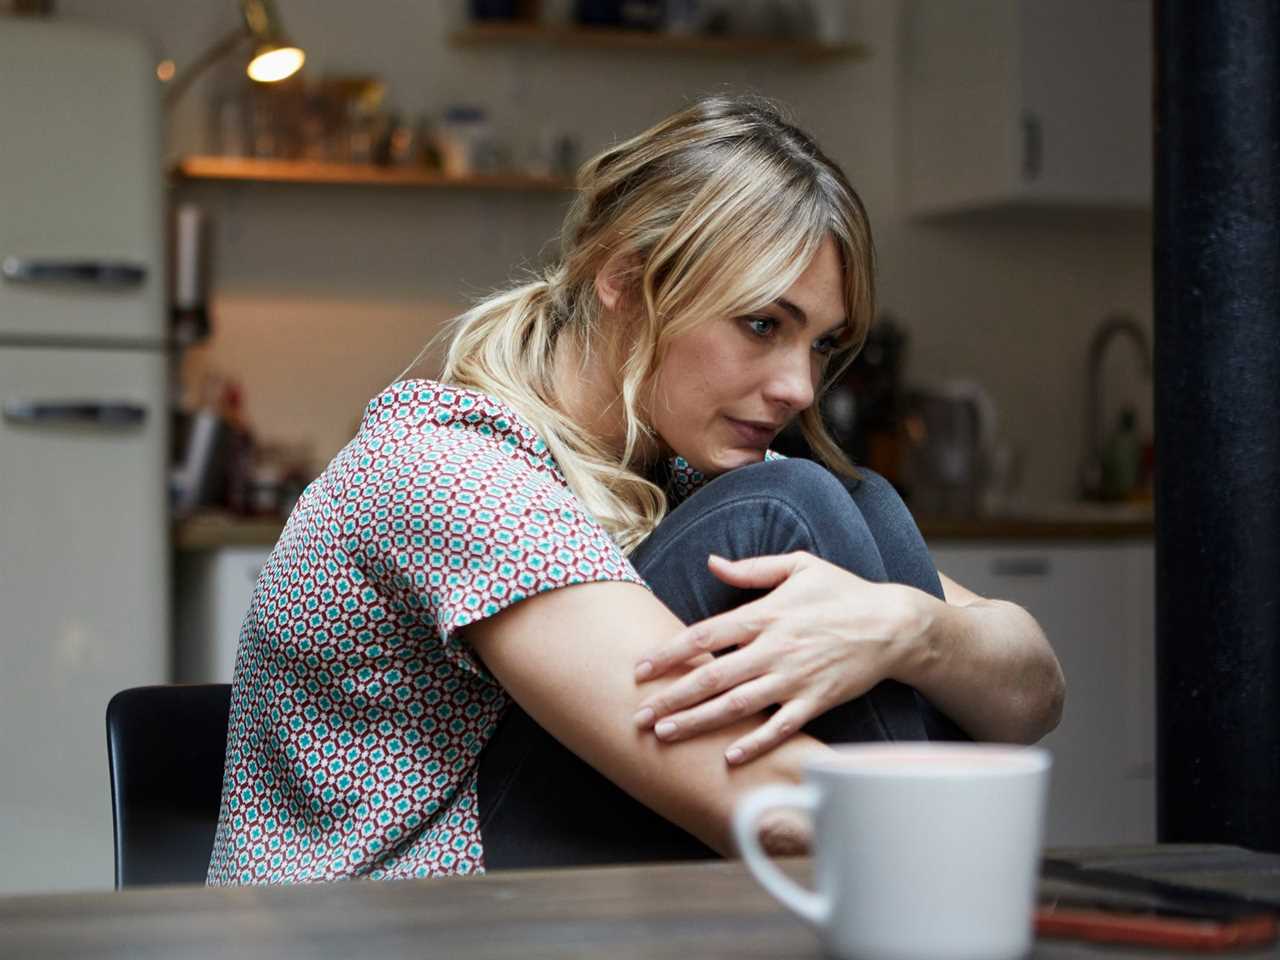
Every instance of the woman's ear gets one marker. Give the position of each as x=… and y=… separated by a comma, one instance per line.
x=610, y=282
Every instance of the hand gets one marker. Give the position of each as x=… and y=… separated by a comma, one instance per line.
x=821, y=637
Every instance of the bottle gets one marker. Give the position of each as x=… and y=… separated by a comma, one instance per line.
x=237, y=492
x=1121, y=458
x=188, y=315
x=461, y=139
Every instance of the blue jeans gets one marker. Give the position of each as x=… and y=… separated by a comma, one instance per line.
x=540, y=806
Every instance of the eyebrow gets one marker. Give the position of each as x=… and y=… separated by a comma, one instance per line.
x=801, y=317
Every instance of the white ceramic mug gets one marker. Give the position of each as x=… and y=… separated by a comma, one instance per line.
x=921, y=850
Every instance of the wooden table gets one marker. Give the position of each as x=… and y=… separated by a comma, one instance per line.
x=687, y=911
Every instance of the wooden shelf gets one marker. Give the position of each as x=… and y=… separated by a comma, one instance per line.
x=612, y=38
x=212, y=530
x=310, y=171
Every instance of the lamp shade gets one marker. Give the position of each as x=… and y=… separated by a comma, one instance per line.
x=274, y=56
x=272, y=62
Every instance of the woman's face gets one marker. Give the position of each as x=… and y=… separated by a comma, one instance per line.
x=726, y=388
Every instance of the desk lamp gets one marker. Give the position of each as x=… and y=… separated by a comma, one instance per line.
x=274, y=56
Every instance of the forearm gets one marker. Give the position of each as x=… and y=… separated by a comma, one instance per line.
x=689, y=782
x=988, y=666
x=551, y=655
x=782, y=832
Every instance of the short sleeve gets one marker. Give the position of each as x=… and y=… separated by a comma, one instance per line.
x=487, y=525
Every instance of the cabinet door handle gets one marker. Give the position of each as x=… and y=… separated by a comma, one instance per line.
x=1020, y=566
x=94, y=413
x=1032, y=147
x=101, y=273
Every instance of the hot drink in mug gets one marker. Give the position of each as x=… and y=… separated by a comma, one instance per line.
x=921, y=850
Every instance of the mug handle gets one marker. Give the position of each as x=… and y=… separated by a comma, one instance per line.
x=806, y=904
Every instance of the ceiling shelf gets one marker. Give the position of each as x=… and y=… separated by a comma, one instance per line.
x=612, y=38
x=250, y=169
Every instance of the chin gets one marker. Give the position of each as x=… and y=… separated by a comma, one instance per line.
x=731, y=459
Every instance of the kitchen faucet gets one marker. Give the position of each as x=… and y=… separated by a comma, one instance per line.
x=1108, y=330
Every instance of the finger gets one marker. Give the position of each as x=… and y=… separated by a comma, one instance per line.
x=744, y=700
x=730, y=629
x=760, y=573
x=789, y=719
x=701, y=684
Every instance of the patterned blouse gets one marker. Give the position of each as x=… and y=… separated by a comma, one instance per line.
x=358, y=711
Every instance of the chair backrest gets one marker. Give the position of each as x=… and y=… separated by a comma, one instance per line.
x=165, y=748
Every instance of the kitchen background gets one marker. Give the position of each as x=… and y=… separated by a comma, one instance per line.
x=322, y=294
x=1002, y=148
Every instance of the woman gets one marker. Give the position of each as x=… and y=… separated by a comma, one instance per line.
x=595, y=436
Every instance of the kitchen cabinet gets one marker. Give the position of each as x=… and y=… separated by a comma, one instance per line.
x=1096, y=604
x=804, y=50
x=1027, y=103
x=214, y=588
x=1094, y=597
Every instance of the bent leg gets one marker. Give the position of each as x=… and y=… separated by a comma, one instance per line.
x=540, y=806
x=771, y=508
x=906, y=560
x=902, y=548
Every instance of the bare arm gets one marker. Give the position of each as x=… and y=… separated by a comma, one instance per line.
x=987, y=665
x=567, y=658
x=822, y=636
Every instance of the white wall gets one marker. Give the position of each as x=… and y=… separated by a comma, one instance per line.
x=324, y=293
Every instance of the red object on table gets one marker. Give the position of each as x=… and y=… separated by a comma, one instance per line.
x=1105, y=926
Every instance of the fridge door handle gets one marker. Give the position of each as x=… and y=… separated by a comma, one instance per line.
x=95, y=413
x=99, y=273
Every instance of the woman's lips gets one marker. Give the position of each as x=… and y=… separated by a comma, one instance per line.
x=752, y=435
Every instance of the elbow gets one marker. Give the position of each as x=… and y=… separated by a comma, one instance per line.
x=1043, y=715
x=1054, y=703
x=782, y=833
x=1045, y=694
x=1057, y=698
x=786, y=833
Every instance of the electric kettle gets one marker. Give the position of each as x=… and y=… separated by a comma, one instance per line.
x=951, y=429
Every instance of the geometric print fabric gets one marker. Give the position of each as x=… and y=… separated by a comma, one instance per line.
x=358, y=711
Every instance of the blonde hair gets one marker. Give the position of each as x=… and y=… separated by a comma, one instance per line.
x=713, y=212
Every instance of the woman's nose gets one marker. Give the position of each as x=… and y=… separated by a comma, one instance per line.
x=792, y=386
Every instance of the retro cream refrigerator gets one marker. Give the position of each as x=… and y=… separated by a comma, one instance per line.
x=83, y=430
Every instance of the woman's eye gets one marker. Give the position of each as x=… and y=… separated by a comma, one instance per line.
x=826, y=345
x=832, y=342
x=761, y=326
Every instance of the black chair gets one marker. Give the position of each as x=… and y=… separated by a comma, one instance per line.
x=165, y=748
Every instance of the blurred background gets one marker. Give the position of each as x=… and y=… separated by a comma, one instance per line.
x=300, y=241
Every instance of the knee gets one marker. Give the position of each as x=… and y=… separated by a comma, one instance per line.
x=804, y=487
x=880, y=503
x=776, y=507
x=869, y=485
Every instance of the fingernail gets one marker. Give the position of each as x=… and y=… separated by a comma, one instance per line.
x=644, y=717
x=665, y=729
x=643, y=669
x=716, y=556
x=734, y=755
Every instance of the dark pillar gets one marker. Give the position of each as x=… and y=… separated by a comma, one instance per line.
x=1217, y=383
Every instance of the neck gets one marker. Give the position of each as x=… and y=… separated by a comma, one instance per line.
x=589, y=393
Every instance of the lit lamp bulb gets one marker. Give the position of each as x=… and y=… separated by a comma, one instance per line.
x=274, y=57
x=275, y=63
